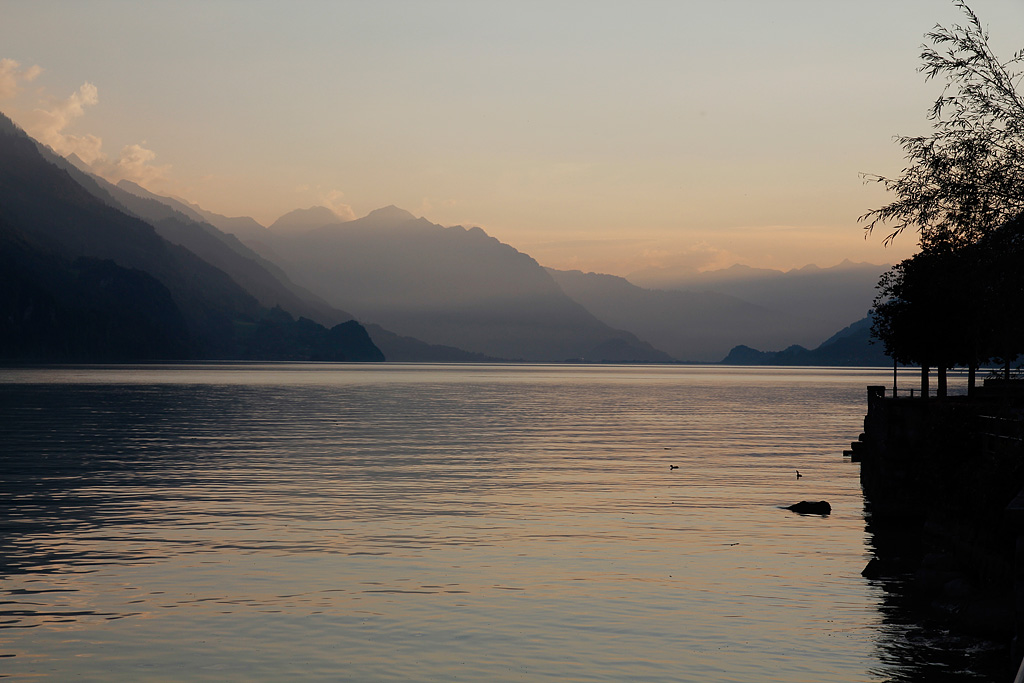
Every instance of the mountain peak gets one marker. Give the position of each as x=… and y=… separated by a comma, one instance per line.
x=128, y=185
x=77, y=162
x=303, y=220
x=390, y=214
x=7, y=125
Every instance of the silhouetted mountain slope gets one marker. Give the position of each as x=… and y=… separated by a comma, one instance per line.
x=851, y=346
x=169, y=207
x=831, y=296
x=410, y=350
x=258, y=276
x=858, y=330
x=280, y=337
x=450, y=286
x=301, y=220
x=86, y=310
x=94, y=267
x=233, y=225
x=225, y=224
x=172, y=225
x=695, y=326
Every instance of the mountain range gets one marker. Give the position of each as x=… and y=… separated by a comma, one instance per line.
x=449, y=287
x=86, y=278
x=826, y=299
x=851, y=346
x=698, y=325
x=461, y=287
x=101, y=271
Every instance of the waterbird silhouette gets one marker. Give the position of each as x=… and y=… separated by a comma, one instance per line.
x=673, y=467
x=798, y=475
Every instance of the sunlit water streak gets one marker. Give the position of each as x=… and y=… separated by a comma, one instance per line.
x=390, y=522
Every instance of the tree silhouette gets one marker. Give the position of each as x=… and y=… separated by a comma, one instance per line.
x=929, y=311
x=967, y=177
x=946, y=307
x=962, y=190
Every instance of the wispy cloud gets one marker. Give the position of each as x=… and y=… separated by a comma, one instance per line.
x=333, y=201
x=693, y=258
x=13, y=77
x=134, y=163
x=48, y=124
x=51, y=121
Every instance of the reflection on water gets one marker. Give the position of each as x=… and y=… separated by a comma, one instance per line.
x=924, y=636
x=392, y=522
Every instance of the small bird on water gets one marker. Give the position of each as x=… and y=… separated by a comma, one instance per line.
x=673, y=467
x=798, y=475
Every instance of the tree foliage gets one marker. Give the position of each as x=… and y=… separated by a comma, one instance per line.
x=967, y=177
x=960, y=300
x=947, y=307
x=922, y=313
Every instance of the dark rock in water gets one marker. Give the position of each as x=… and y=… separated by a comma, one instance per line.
x=807, y=507
x=888, y=567
x=875, y=569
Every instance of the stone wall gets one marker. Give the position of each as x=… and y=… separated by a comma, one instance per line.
x=940, y=480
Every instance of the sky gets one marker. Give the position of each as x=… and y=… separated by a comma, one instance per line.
x=603, y=136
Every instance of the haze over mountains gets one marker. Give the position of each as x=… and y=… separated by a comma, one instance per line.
x=769, y=310
x=460, y=287
x=849, y=346
x=832, y=296
x=183, y=282
x=446, y=286
x=85, y=278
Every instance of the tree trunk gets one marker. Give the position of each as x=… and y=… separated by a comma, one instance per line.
x=924, y=382
x=940, y=390
x=972, y=377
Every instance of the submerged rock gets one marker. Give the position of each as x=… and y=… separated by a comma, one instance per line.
x=807, y=507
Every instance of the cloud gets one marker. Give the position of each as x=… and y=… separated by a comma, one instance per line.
x=134, y=163
x=12, y=77
x=693, y=258
x=47, y=125
x=427, y=208
x=332, y=200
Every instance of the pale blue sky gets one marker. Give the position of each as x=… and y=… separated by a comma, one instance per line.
x=599, y=135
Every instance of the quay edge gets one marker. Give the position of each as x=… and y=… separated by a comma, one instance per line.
x=943, y=483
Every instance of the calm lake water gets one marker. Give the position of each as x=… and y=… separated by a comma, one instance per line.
x=435, y=523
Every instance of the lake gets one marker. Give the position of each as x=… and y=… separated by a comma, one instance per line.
x=388, y=522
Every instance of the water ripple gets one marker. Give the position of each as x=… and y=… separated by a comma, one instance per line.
x=432, y=523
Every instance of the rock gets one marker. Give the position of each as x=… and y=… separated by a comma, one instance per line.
x=887, y=568
x=874, y=569
x=806, y=507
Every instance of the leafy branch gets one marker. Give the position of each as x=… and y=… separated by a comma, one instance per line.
x=967, y=177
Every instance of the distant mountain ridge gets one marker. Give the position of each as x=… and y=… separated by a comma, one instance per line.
x=690, y=325
x=264, y=279
x=437, y=292
x=232, y=225
x=699, y=326
x=395, y=347
x=301, y=220
x=452, y=287
x=851, y=346
x=831, y=296
x=84, y=280
x=411, y=350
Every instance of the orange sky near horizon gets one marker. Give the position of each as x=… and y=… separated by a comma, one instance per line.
x=603, y=136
